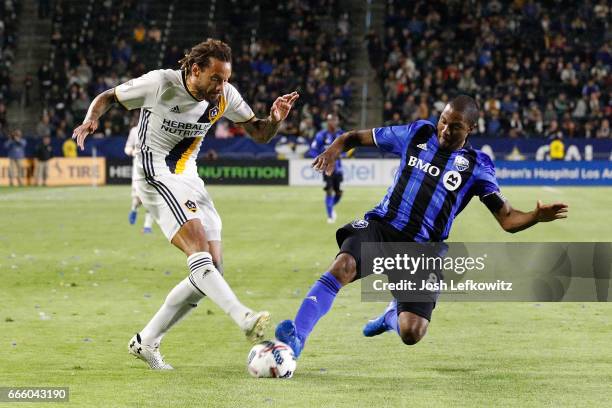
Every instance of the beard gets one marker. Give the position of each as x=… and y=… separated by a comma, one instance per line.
x=212, y=98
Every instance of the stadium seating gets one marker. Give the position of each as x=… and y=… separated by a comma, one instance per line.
x=9, y=10
x=537, y=68
x=124, y=39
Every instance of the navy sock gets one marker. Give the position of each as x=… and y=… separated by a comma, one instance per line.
x=337, y=198
x=317, y=303
x=329, y=205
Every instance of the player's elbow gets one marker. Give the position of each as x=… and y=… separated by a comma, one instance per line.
x=510, y=229
x=506, y=224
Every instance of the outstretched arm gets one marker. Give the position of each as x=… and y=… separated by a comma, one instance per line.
x=99, y=106
x=512, y=220
x=326, y=161
x=263, y=130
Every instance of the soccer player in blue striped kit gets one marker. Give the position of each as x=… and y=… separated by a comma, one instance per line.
x=438, y=175
x=322, y=141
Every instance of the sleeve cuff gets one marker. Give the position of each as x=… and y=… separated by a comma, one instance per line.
x=374, y=137
x=117, y=99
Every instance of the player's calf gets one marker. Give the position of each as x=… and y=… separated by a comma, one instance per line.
x=344, y=269
x=412, y=328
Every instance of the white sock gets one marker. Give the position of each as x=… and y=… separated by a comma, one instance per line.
x=206, y=278
x=181, y=300
x=148, y=221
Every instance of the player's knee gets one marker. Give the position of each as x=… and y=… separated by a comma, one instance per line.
x=412, y=328
x=344, y=269
x=191, y=238
x=410, y=336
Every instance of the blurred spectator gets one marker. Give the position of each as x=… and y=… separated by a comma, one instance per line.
x=122, y=53
x=557, y=148
x=43, y=129
x=69, y=148
x=44, y=152
x=604, y=129
x=3, y=121
x=516, y=125
x=15, y=146
x=222, y=129
x=554, y=130
x=44, y=8
x=139, y=33
x=27, y=90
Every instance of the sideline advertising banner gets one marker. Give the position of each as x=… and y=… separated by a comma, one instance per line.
x=118, y=171
x=259, y=172
x=356, y=172
x=63, y=171
x=562, y=173
x=380, y=172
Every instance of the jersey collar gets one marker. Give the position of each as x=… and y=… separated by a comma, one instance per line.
x=184, y=80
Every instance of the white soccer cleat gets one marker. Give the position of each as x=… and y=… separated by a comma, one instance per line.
x=148, y=354
x=333, y=217
x=255, y=324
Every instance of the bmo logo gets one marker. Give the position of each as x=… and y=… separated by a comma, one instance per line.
x=424, y=166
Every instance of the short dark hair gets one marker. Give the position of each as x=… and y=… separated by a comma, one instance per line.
x=202, y=53
x=467, y=106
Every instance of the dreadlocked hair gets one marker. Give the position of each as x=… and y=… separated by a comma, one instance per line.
x=201, y=54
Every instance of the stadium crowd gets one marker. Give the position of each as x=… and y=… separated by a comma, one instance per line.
x=112, y=45
x=538, y=69
x=122, y=41
x=9, y=10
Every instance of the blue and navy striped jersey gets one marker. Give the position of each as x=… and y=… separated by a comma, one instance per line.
x=431, y=185
x=322, y=141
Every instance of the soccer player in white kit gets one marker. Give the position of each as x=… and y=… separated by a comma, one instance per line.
x=131, y=148
x=177, y=108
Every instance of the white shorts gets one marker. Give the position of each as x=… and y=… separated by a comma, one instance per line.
x=174, y=199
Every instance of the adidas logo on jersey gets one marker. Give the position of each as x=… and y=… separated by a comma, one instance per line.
x=175, y=109
x=422, y=146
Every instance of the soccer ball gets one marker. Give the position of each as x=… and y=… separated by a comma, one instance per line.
x=271, y=359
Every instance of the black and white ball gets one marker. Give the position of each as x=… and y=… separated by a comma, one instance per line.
x=271, y=359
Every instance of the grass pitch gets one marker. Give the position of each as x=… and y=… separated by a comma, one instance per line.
x=77, y=281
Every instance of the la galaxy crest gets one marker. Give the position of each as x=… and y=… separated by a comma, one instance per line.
x=191, y=206
x=214, y=111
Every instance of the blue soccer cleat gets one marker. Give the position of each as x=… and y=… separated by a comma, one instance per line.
x=132, y=217
x=147, y=230
x=378, y=326
x=285, y=332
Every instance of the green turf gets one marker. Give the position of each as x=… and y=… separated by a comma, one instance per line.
x=77, y=282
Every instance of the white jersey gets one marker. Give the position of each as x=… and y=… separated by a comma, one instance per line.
x=172, y=122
